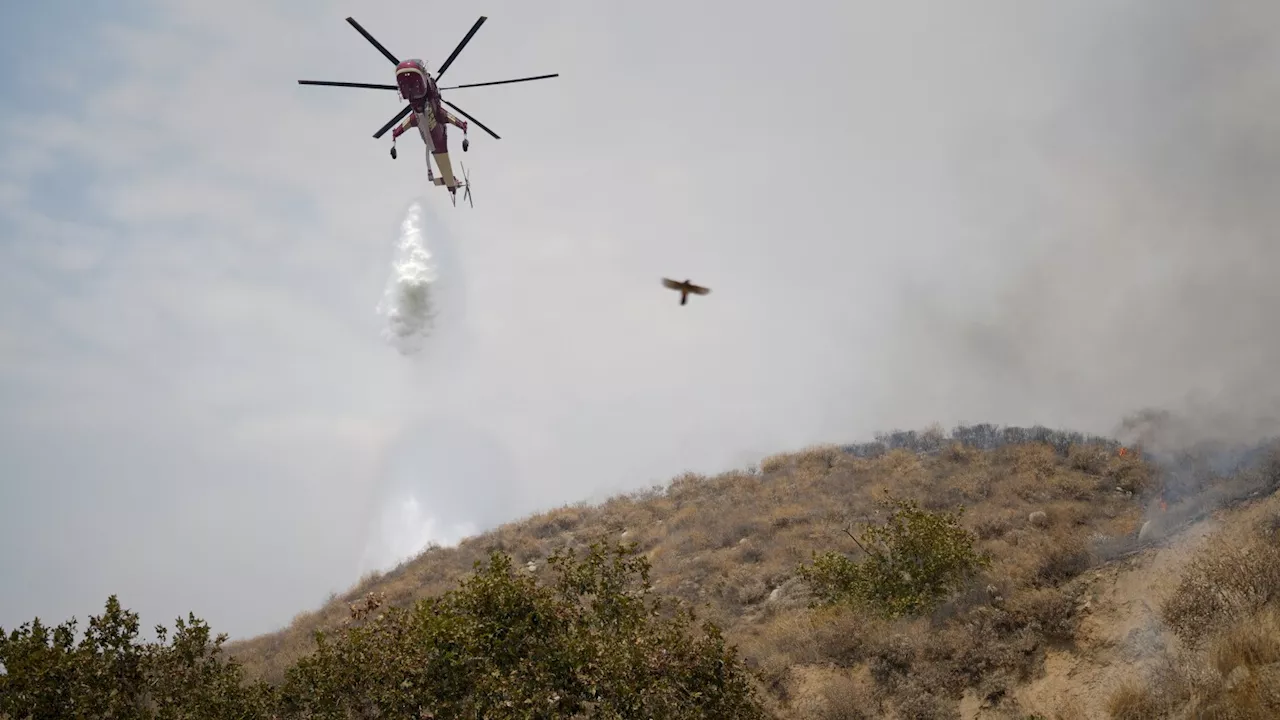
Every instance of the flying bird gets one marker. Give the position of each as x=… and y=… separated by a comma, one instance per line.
x=685, y=288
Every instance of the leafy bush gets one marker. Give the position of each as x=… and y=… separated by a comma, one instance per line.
x=593, y=643
x=109, y=673
x=913, y=562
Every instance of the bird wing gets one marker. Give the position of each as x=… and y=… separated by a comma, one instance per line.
x=698, y=289
x=672, y=284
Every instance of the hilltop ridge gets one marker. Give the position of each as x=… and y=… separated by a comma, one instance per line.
x=1052, y=508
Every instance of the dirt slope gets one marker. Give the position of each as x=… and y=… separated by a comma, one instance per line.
x=1120, y=630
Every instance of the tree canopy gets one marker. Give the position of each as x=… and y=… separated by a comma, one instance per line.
x=593, y=643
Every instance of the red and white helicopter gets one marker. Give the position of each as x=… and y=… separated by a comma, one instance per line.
x=425, y=110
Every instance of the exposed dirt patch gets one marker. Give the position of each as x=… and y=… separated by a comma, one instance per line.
x=1120, y=636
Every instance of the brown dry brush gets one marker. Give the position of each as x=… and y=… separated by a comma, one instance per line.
x=1225, y=613
x=779, y=511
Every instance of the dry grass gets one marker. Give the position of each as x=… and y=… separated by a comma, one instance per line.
x=1226, y=614
x=1136, y=702
x=730, y=544
x=1046, y=512
x=1228, y=582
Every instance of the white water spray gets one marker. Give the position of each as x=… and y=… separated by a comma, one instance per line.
x=404, y=530
x=434, y=485
x=408, y=303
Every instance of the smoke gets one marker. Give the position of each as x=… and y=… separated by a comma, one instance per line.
x=408, y=304
x=1132, y=209
x=1200, y=468
x=1226, y=438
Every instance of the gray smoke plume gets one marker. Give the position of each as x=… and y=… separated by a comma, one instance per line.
x=1136, y=207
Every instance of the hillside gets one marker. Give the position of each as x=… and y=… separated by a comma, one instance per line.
x=986, y=575
x=1087, y=540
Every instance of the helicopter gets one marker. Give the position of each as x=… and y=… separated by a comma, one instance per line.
x=425, y=108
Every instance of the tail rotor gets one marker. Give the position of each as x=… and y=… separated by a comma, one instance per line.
x=466, y=186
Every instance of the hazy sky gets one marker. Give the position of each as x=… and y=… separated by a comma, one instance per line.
x=907, y=212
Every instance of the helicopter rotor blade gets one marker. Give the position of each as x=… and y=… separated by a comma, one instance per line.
x=372, y=86
x=464, y=114
x=466, y=39
x=376, y=44
x=501, y=82
x=393, y=121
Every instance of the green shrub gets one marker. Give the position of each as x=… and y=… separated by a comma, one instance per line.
x=503, y=646
x=912, y=562
x=110, y=674
x=593, y=643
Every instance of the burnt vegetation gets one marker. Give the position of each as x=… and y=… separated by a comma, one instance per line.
x=884, y=579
